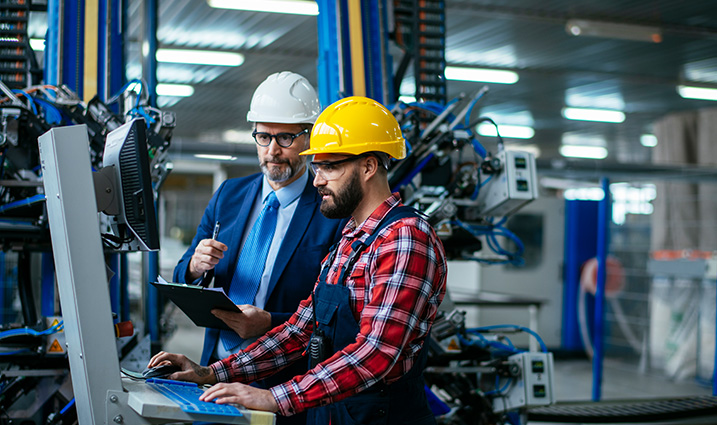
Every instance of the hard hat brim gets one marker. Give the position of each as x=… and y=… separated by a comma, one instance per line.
x=395, y=150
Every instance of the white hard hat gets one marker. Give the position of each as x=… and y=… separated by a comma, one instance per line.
x=285, y=98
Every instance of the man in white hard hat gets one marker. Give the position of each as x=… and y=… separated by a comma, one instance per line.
x=283, y=110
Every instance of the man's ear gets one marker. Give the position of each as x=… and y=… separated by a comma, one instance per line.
x=370, y=166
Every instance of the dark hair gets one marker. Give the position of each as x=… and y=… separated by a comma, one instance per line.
x=384, y=160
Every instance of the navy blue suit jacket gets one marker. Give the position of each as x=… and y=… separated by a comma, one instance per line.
x=307, y=241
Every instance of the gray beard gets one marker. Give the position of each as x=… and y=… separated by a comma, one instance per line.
x=276, y=175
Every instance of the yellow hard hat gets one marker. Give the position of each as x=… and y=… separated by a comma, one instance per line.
x=356, y=125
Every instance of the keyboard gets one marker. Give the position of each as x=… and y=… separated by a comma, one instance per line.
x=186, y=395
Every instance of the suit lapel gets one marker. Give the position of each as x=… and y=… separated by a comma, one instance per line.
x=241, y=218
x=305, y=210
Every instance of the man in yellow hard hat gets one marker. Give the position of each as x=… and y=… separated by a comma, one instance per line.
x=371, y=311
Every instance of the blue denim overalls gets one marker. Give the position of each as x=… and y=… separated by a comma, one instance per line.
x=402, y=402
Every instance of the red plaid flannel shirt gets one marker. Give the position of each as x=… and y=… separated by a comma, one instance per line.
x=396, y=287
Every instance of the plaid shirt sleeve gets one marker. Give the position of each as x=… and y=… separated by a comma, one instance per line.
x=397, y=286
x=277, y=349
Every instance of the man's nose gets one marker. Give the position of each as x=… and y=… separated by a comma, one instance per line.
x=274, y=147
x=319, y=180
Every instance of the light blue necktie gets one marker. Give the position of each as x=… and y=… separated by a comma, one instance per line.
x=250, y=266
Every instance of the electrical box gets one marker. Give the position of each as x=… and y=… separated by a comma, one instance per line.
x=514, y=186
x=532, y=387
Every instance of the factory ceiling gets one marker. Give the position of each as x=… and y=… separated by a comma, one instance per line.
x=629, y=56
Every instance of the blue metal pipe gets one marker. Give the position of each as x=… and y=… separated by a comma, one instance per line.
x=111, y=66
x=602, y=248
x=103, y=63
x=118, y=26
x=149, y=69
x=346, y=87
x=72, y=56
x=124, y=286
x=52, y=43
x=372, y=50
x=152, y=305
x=114, y=265
x=329, y=67
x=47, y=307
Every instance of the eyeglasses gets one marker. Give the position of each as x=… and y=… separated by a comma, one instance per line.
x=331, y=170
x=282, y=139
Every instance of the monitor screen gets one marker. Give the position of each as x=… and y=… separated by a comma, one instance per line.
x=126, y=151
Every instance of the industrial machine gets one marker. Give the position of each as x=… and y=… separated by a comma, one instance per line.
x=478, y=376
x=35, y=384
x=468, y=200
x=468, y=193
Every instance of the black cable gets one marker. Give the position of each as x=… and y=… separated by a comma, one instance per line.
x=497, y=132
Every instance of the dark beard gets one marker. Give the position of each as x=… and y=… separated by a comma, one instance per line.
x=345, y=201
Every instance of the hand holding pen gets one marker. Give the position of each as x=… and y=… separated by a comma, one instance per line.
x=206, y=256
x=215, y=233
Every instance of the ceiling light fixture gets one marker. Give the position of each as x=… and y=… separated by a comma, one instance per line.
x=481, y=75
x=215, y=157
x=589, y=152
x=701, y=93
x=37, y=44
x=200, y=57
x=600, y=115
x=510, y=131
x=582, y=27
x=295, y=7
x=648, y=140
x=176, y=90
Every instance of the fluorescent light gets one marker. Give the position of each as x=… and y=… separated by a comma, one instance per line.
x=200, y=57
x=582, y=27
x=216, y=157
x=648, y=140
x=177, y=90
x=295, y=7
x=37, y=44
x=601, y=115
x=702, y=93
x=584, y=194
x=407, y=99
x=481, y=75
x=511, y=131
x=576, y=151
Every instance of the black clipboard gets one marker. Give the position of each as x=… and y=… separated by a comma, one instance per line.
x=197, y=302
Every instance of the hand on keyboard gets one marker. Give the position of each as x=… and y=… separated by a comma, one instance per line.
x=241, y=394
x=187, y=394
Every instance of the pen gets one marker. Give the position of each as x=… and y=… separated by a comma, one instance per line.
x=216, y=230
x=215, y=233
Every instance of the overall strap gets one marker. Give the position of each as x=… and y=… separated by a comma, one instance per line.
x=357, y=247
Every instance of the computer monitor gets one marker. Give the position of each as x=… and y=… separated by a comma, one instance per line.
x=135, y=222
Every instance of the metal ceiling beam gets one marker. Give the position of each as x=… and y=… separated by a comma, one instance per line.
x=594, y=170
x=560, y=18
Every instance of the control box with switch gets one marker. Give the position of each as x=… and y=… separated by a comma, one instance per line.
x=533, y=385
x=513, y=186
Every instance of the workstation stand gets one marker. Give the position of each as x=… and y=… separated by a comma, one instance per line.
x=102, y=396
